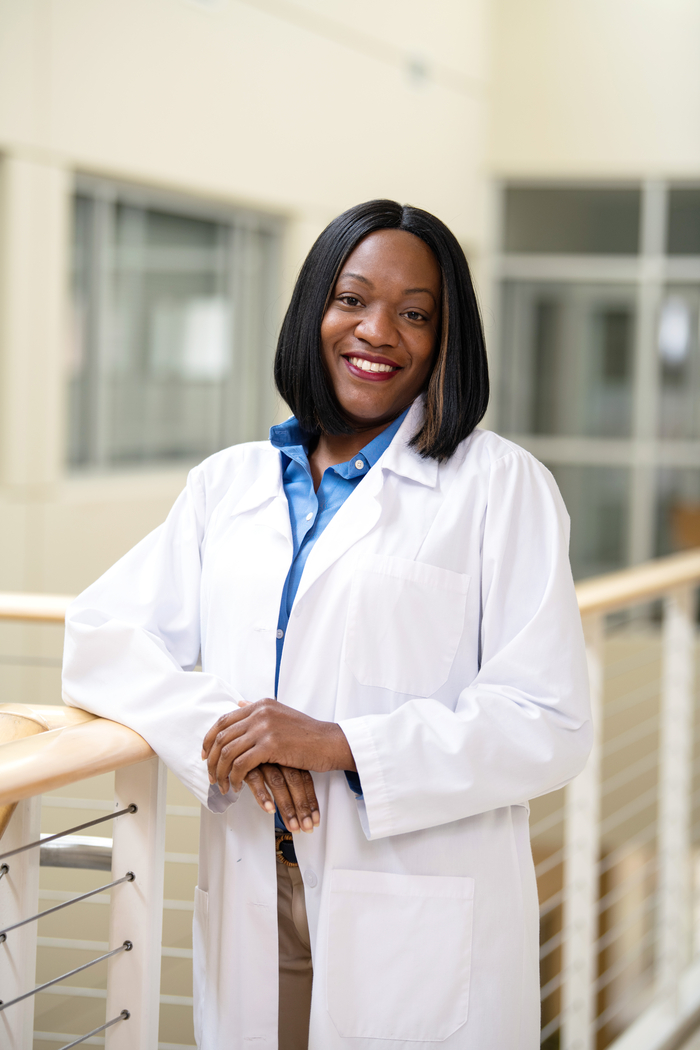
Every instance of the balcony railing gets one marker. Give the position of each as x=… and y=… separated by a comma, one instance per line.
x=617, y=852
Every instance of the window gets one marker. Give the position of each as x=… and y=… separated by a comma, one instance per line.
x=598, y=364
x=561, y=220
x=174, y=328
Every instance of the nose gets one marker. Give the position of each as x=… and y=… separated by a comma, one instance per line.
x=377, y=327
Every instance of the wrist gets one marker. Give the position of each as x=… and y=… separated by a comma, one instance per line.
x=340, y=754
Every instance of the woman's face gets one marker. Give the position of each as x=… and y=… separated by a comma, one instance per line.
x=379, y=333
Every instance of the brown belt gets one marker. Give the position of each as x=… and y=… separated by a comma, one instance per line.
x=284, y=849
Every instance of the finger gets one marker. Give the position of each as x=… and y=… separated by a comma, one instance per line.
x=296, y=785
x=277, y=785
x=256, y=782
x=230, y=718
x=225, y=741
x=311, y=796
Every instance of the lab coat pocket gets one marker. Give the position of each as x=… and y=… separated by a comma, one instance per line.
x=200, y=940
x=404, y=623
x=399, y=955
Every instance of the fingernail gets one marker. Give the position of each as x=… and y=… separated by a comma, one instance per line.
x=212, y=780
x=269, y=807
x=307, y=824
x=294, y=824
x=316, y=817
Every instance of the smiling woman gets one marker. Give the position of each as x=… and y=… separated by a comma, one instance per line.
x=392, y=658
x=383, y=271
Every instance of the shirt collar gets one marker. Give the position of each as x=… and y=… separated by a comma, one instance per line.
x=293, y=442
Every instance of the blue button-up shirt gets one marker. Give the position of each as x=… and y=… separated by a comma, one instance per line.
x=310, y=512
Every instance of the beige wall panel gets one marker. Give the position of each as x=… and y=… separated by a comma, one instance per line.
x=34, y=204
x=240, y=103
x=447, y=36
x=95, y=521
x=22, y=30
x=596, y=87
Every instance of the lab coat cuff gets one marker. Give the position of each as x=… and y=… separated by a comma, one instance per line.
x=374, y=808
x=218, y=803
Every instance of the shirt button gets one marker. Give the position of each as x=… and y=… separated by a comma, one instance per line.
x=359, y=464
x=280, y=632
x=309, y=516
x=310, y=878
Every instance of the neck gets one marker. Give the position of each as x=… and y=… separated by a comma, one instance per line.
x=339, y=448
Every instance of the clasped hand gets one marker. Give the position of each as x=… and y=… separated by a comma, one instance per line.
x=271, y=748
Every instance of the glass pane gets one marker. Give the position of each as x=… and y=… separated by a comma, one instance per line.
x=679, y=363
x=684, y=222
x=597, y=499
x=564, y=220
x=78, y=362
x=162, y=377
x=677, y=509
x=568, y=359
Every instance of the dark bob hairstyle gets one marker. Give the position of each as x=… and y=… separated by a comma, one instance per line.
x=458, y=389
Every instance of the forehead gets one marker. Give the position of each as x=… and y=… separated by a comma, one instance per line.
x=394, y=256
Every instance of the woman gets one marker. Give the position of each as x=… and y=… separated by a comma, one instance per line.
x=381, y=595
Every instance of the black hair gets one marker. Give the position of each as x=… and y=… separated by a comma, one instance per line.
x=458, y=389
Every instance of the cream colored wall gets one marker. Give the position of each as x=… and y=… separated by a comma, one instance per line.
x=585, y=88
x=298, y=107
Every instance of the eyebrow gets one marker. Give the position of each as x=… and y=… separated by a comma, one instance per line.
x=406, y=291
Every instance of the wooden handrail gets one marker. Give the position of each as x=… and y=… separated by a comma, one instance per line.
x=640, y=583
x=35, y=608
x=76, y=745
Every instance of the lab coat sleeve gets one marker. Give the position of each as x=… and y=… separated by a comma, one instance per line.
x=132, y=641
x=522, y=727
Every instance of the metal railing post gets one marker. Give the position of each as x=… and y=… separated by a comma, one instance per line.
x=133, y=978
x=19, y=897
x=676, y=728
x=581, y=849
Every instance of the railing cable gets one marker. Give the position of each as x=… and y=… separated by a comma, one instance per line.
x=133, y=808
x=123, y=1016
x=129, y=877
x=125, y=947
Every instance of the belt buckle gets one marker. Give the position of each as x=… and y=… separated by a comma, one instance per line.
x=282, y=837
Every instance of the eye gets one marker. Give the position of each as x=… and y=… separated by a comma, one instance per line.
x=413, y=315
x=349, y=300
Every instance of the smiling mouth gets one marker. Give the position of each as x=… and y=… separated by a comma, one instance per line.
x=373, y=369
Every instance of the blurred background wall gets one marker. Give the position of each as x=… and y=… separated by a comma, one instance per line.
x=165, y=165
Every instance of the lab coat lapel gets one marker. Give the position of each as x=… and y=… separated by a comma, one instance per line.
x=266, y=497
x=361, y=510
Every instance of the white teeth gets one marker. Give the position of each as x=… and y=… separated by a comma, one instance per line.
x=370, y=366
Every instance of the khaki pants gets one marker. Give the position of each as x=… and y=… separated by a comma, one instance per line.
x=295, y=968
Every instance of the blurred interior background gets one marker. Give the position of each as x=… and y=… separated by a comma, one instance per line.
x=165, y=166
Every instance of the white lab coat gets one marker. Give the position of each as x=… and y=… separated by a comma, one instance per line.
x=436, y=621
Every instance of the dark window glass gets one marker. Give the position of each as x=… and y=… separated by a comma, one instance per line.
x=684, y=222
x=562, y=220
x=597, y=499
x=568, y=353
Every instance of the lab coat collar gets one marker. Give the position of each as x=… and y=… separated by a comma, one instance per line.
x=404, y=461
x=266, y=495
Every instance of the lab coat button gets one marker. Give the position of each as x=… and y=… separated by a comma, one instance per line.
x=310, y=878
x=280, y=632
